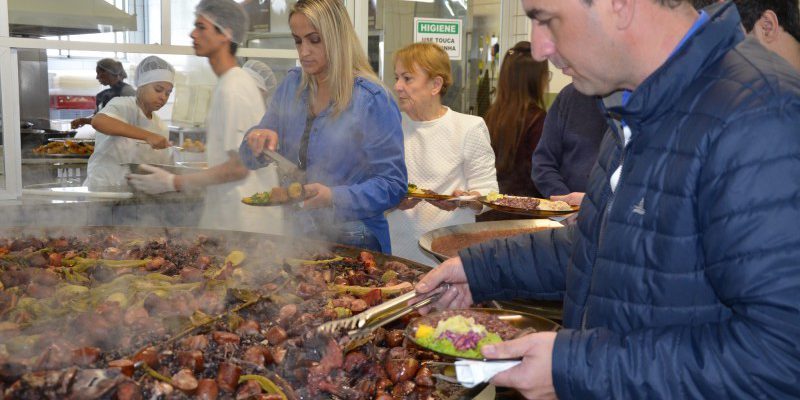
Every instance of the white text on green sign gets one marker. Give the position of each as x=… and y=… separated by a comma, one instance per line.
x=434, y=27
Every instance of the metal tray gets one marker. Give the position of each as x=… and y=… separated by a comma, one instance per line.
x=525, y=211
x=173, y=169
x=426, y=241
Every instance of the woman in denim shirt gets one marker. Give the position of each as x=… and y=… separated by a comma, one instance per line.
x=337, y=121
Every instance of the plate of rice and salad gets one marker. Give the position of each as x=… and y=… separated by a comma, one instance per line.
x=462, y=333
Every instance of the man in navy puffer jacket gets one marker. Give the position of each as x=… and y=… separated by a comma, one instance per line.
x=681, y=278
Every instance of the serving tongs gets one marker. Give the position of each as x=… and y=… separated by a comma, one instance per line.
x=288, y=171
x=361, y=325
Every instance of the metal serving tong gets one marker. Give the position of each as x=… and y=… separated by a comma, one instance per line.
x=372, y=318
x=289, y=172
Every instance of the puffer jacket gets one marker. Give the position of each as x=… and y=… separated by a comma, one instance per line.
x=685, y=281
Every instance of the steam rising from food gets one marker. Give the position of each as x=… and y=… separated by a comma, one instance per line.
x=150, y=312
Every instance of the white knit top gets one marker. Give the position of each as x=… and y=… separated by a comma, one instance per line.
x=448, y=153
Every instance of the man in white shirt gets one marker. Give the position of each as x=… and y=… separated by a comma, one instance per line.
x=236, y=105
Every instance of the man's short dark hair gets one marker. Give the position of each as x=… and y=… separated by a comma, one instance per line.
x=667, y=3
x=701, y=4
x=786, y=10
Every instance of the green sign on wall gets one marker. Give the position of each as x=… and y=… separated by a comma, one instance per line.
x=444, y=32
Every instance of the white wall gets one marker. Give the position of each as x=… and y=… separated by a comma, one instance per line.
x=519, y=28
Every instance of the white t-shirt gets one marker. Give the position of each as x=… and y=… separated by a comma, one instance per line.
x=105, y=169
x=236, y=106
x=448, y=153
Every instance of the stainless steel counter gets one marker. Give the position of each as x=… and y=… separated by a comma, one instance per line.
x=86, y=209
x=55, y=160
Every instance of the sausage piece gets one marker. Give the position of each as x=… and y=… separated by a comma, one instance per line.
x=228, y=376
x=222, y=337
x=191, y=359
x=207, y=389
x=276, y=335
x=128, y=391
x=185, y=381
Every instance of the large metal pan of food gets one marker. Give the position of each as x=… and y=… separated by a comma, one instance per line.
x=102, y=312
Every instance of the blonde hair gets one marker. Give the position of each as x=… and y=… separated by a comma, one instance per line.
x=346, y=58
x=430, y=57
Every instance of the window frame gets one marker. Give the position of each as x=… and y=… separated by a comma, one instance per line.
x=9, y=81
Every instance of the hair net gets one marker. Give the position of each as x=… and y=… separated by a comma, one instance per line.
x=262, y=73
x=227, y=15
x=153, y=69
x=113, y=67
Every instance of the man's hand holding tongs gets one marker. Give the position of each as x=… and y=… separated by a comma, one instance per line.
x=450, y=271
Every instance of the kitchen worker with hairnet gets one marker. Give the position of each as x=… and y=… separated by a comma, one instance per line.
x=264, y=77
x=236, y=105
x=111, y=73
x=129, y=131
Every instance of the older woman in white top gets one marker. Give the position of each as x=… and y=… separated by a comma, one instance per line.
x=445, y=151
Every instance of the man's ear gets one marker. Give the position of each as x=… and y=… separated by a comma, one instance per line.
x=623, y=11
x=768, y=26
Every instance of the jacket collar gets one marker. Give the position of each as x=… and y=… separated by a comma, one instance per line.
x=660, y=91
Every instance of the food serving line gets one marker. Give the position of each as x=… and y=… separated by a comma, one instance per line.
x=193, y=314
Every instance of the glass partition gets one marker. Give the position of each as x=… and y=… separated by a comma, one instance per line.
x=269, y=19
x=393, y=24
x=393, y=28
x=67, y=87
x=9, y=127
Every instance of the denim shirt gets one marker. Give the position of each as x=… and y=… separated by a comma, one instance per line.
x=358, y=154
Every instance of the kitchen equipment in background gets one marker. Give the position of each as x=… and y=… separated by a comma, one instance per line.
x=36, y=18
x=33, y=137
x=69, y=107
x=34, y=95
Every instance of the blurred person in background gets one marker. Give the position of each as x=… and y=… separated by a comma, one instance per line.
x=110, y=73
x=515, y=122
x=236, y=105
x=567, y=151
x=264, y=77
x=334, y=118
x=446, y=151
x=128, y=130
x=776, y=25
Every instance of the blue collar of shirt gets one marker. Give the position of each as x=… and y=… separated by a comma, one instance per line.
x=704, y=17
